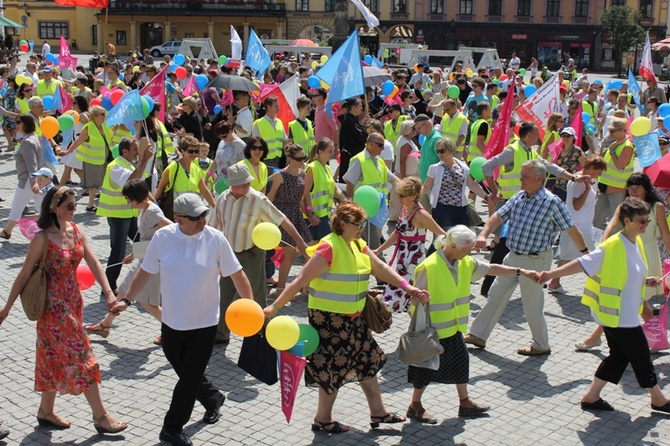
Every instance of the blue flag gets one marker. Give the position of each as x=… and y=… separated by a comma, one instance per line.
x=128, y=110
x=377, y=63
x=344, y=71
x=647, y=148
x=57, y=102
x=634, y=89
x=257, y=57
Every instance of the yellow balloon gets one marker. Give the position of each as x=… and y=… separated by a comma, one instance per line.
x=640, y=126
x=136, y=69
x=74, y=114
x=324, y=59
x=282, y=333
x=266, y=236
x=314, y=64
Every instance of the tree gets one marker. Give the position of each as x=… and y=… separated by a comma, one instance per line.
x=621, y=25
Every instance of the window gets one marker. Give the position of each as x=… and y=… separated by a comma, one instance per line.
x=53, y=30
x=94, y=34
x=121, y=38
x=618, y=2
x=330, y=5
x=523, y=8
x=582, y=8
x=647, y=8
x=371, y=5
x=302, y=5
x=495, y=7
x=553, y=8
x=399, y=6
x=436, y=6
x=465, y=7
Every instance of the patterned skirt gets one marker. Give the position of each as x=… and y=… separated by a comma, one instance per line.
x=454, y=365
x=347, y=351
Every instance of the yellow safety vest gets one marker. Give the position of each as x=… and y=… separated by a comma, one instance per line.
x=117, y=83
x=94, y=151
x=303, y=138
x=452, y=126
x=22, y=105
x=509, y=182
x=450, y=302
x=546, y=139
x=392, y=132
x=260, y=180
x=376, y=177
x=164, y=141
x=323, y=190
x=183, y=183
x=613, y=176
x=112, y=202
x=495, y=100
x=119, y=134
x=209, y=179
x=273, y=136
x=602, y=292
x=44, y=90
x=473, y=150
x=343, y=288
x=592, y=110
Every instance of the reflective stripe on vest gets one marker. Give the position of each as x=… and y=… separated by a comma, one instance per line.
x=473, y=150
x=119, y=134
x=164, y=142
x=112, y=202
x=375, y=176
x=94, y=150
x=322, y=190
x=343, y=288
x=602, y=292
x=453, y=128
x=613, y=176
x=450, y=301
x=273, y=137
x=509, y=182
x=303, y=138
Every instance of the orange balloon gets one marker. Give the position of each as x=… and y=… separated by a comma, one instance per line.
x=74, y=114
x=49, y=126
x=395, y=92
x=245, y=317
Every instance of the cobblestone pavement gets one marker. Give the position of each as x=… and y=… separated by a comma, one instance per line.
x=535, y=400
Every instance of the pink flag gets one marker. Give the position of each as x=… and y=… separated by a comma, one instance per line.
x=191, y=87
x=577, y=124
x=500, y=135
x=65, y=100
x=291, y=368
x=227, y=99
x=65, y=59
x=28, y=227
x=155, y=88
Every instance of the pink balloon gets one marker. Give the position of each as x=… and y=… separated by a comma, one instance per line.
x=85, y=277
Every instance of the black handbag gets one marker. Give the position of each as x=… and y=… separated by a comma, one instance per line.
x=167, y=200
x=258, y=358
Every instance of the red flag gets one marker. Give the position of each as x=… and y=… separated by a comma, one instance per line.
x=646, y=65
x=155, y=88
x=291, y=369
x=84, y=3
x=285, y=112
x=500, y=135
x=65, y=59
x=190, y=87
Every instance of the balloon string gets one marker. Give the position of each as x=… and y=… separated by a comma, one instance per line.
x=114, y=264
x=288, y=244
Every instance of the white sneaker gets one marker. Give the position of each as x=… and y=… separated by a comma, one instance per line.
x=559, y=290
x=583, y=346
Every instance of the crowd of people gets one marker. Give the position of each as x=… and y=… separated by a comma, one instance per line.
x=189, y=190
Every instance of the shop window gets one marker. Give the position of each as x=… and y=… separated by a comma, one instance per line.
x=436, y=6
x=523, y=8
x=647, y=8
x=582, y=8
x=553, y=8
x=53, y=30
x=399, y=7
x=121, y=38
x=495, y=7
x=371, y=5
x=302, y=5
x=465, y=7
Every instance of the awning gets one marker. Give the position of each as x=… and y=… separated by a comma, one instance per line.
x=660, y=44
x=4, y=21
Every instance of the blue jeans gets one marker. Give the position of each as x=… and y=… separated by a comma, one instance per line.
x=449, y=216
x=120, y=229
x=322, y=229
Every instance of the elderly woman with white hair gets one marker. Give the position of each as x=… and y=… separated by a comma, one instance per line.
x=447, y=274
x=406, y=164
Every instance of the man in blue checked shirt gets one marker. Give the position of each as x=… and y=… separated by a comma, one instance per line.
x=535, y=217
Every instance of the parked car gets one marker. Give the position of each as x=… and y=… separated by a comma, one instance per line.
x=170, y=48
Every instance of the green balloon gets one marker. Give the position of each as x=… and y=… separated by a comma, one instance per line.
x=310, y=337
x=221, y=185
x=522, y=71
x=65, y=122
x=453, y=92
x=222, y=60
x=367, y=197
x=476, y=168
x=115, y=151
x=145, y=107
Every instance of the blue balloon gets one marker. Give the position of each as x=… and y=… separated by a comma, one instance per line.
x=50, y=58
x=48, y=102
x=529, y=90
x=664, y=110
x=107, y=103
x=387, y=87
x=169, y=87
x=616, y=84
x=666, y=123
x=367, y=59
x=590, y=128
x=217, y=109
x=598, y=81
x=179, y=59
x=56, y=60
x=313, y=82
x=150, y=101
x=172, y=67
x=422, y=138
x=501, y=84
x=201, y=80
x=586, y=117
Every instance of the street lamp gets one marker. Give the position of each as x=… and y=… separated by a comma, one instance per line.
x=25, y=9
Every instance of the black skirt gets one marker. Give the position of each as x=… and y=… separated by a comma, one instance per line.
x=454, y=365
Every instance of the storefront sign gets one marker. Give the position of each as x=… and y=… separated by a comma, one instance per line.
x=519, y=36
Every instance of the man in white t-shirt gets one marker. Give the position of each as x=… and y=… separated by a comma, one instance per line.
x=190, y=256
x=514, y=62
x=46, y=49
x=244, y=120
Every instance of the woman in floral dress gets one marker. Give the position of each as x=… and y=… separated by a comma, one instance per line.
x=65, y=362
x=9, y=125
x=409, y=237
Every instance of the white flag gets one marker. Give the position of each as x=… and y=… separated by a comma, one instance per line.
x=236, y=44
x=372, y=21
x=646, y=66
x=541, y=104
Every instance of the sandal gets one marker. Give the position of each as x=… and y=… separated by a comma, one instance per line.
x=112, y=428
x=101, y=330
x=91, y=208
x=335, y=427
x=417, y=415
x=3, y=234
x=389, y=418
x=51, y=420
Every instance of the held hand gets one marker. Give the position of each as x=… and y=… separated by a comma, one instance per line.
x=314, y=220
x=110, y=300
x=480, y=243
x=128, y=259
x=582, y=179
x=269, y=311
x=494, y=198
x=543, y=276
x=35, y=188
x=532, y=275
x=654, y=281
x=302, y=248
x=117, y=308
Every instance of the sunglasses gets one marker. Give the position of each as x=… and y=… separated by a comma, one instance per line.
x=71, y=207
x=360, y=225
x=380, y=144
x=643, y=221
x=660, y=143
x=299, y=158
x=203, y=215
x=441, y=151
x=256, y=147
x=566, y=136
x=192, y=151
